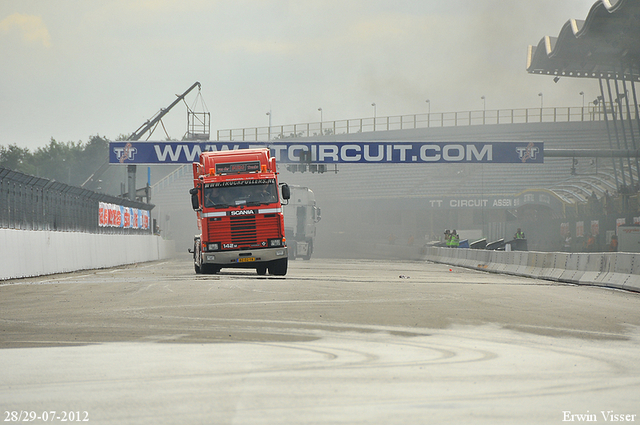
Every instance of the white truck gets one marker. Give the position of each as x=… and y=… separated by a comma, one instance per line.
x=300, y=217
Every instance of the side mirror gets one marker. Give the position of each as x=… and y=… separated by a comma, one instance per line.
x=194, y=198
x=286, y=192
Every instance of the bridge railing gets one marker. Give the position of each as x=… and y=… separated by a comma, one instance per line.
x=34, y=203
x=439, y=119
x=166, y=181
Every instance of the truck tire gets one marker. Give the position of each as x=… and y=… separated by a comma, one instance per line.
x=261, y=270
x=210, y=269
x=279, y=267
x=309, y=251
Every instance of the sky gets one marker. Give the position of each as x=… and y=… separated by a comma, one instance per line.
x=71, y=69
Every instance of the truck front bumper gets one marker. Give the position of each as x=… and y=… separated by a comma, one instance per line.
x=248, y=258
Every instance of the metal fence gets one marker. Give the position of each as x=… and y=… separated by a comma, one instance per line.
x=34, y=203
x=404, y=122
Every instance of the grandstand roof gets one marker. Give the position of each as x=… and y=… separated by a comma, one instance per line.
x=606, y=44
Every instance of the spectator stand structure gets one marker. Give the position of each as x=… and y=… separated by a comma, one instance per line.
x=605, y=46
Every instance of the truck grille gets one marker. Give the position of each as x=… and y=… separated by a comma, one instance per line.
x=244, y=231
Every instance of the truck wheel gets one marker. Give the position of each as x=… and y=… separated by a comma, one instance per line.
x=292, y=250
x=210, y=269
x=279, y=267
x=309, y=251
x=262, y=270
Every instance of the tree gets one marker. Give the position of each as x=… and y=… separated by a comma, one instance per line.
x=71, y=162
x=13, y=157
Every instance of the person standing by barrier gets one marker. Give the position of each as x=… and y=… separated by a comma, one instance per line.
x=455, y=239
x=447, y=238
x=567, y=242
x=591, y=243
x=613, y=246
x=519, y=234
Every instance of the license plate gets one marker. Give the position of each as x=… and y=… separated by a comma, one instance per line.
x=246, y=259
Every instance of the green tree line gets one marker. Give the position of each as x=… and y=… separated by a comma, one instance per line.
x=71, y=162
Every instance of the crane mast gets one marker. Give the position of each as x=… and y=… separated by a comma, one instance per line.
x=136, y=135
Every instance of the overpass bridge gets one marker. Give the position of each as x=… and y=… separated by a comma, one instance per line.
x=365, y=204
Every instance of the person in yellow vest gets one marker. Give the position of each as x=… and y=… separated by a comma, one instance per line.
x=519, y=234
x=455, y=239
x=447, y=238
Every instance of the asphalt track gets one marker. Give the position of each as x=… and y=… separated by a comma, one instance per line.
x=333, y=342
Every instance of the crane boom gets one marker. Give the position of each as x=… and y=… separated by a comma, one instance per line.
x=136, y=135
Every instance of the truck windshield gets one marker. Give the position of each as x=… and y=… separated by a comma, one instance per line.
x=240, y=192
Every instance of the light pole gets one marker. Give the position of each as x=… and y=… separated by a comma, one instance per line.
x=582, y=94
x=484, y=109
x=541, y=104
x=375, y=112
x=320, y=109
x=269, y=130
x=428, y=112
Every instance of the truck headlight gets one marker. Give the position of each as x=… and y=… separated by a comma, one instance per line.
x=215, y=246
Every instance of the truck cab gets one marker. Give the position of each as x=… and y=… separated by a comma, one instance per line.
x=239, y=212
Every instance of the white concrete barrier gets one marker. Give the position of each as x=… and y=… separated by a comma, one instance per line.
x=617, y=270
x=503, y=260
x=521, y=260
x=559, y=264
x=26, y=253
x=547, y=265
x=571, y=272
x=594, y=267
x=621, y=270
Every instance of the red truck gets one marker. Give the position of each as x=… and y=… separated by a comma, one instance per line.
x=236, y=199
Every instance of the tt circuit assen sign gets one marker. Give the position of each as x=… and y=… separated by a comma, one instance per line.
x=395, y=152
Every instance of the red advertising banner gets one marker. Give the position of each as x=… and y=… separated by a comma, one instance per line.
x=112, y=215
